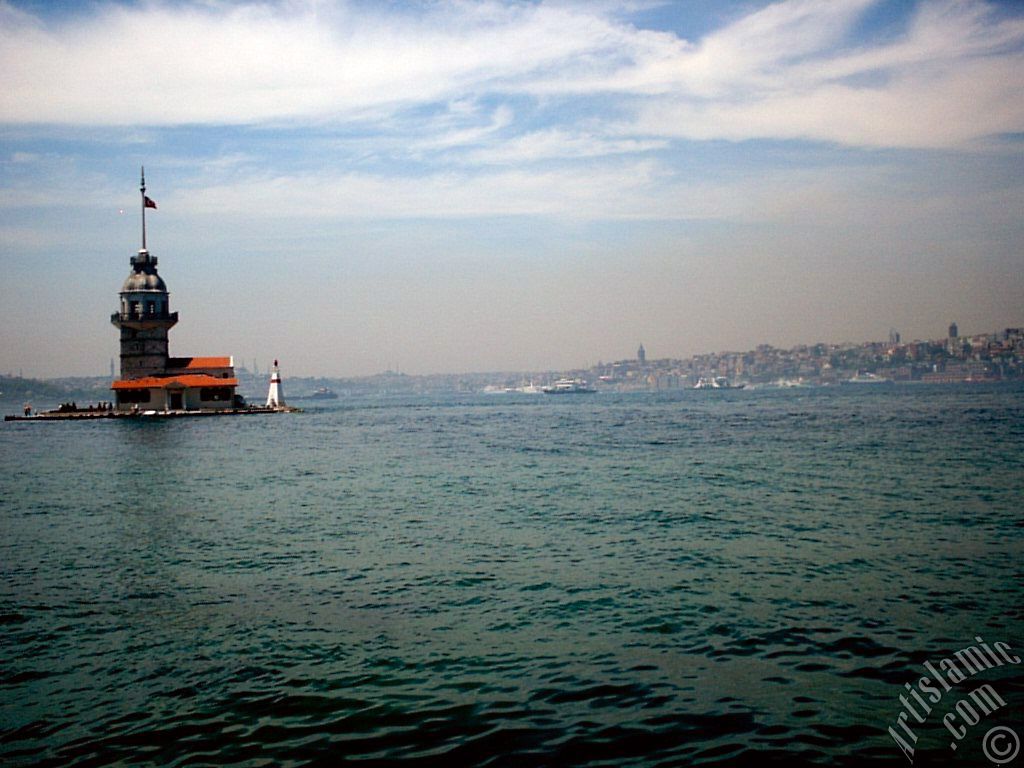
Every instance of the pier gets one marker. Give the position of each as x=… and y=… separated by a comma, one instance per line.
x=79, y=414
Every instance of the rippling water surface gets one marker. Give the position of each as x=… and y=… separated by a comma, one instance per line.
x=705, y=578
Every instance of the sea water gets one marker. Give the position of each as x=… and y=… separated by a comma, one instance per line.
x=705, y=578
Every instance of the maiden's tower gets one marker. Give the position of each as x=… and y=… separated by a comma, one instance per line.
x=153, y=383
x=150, y=378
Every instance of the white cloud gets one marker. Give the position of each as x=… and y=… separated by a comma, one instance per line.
x=556, y=143
x=175, y=64
x=954, y=79
x=628, y=190
x=757, y=51
x=612, y=191
x=926, y=108
x=792, y=69
x=461, y=127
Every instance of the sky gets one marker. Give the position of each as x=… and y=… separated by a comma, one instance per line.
x=456, y=186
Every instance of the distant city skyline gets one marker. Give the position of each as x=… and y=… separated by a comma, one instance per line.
x=896, y=340
x=452, y=187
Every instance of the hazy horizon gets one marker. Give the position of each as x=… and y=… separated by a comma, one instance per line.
x=264, y=367
x=470, y=187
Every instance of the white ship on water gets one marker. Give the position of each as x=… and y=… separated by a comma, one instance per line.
x=568, y=386
x=522, y=389
x=716, y=382
x=866, y=378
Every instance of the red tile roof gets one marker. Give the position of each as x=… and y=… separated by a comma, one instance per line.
x=185, y=380
x=188, y=363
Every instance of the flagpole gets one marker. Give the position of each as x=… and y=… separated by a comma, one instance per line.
x=142, y=189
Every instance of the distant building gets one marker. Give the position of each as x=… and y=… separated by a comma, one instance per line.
x=953, y=346
x=641, y=355
x=150, y=378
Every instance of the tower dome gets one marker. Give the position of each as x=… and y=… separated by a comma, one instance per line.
x=144, y=276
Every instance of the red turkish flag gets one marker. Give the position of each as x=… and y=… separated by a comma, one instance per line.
x=148, y=203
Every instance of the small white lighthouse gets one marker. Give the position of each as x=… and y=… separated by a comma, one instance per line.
x=275, y=397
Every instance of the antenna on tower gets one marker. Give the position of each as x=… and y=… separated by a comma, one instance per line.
x=142, y=189
x=146, y=203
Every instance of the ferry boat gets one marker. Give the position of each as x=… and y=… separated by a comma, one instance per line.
x=716, y=382
x=522, y=389
x=324, y=394
x=866, y=377
x=567, y=386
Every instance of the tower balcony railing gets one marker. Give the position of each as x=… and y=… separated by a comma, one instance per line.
x=141, y=317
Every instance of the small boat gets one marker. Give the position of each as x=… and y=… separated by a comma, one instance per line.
x=567, y=386
x=324, y=394
x=866, y=378
x=716, y=382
